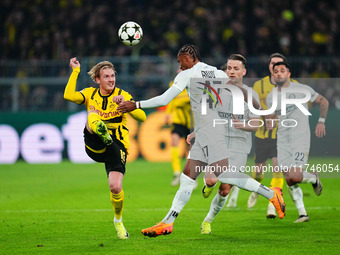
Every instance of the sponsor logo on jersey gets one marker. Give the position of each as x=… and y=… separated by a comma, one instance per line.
x=105, y=115
x=208, y=74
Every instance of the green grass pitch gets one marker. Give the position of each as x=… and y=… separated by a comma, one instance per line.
x=65, y=209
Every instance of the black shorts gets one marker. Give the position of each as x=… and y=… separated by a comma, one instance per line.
x=114, y=155
x=264, y=149
x=181, y=130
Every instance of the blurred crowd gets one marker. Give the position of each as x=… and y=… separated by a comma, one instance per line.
x=306, y=31
x=58, y=29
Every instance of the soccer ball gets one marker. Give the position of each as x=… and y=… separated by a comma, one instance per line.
x=130, y=33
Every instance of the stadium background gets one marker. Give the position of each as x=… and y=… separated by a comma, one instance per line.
x=64, y=208
x=39, y=37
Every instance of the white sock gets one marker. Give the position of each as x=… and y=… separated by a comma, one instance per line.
x=308, y=177
x=181, y=198
x=296, y=193
x=234, y=194
x=116, y=221
x=244, y=181
x=216, y=206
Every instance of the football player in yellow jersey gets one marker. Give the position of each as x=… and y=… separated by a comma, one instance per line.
x=265, y=140
x=179, y=110
x=106, y=135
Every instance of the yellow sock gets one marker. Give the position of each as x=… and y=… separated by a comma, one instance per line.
x=117, y=201
x=257, y=177
x=277, y=180
x=93, y=119
x=175, y=160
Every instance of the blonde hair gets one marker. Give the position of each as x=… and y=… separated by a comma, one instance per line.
x=95, y=71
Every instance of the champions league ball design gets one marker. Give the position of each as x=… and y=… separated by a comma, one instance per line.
x=130, y=33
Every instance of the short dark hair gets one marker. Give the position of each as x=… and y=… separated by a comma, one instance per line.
x=238, y=57
x=234, y=57
x=190, y=50
x=280, y=64
x=276, y=55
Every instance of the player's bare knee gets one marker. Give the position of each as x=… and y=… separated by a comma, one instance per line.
x=224, y=189
x=192, y=168
x=295, y=180
x=210, y=181
x=290, y=181
x=175, y=139
x=115, y=188
x=187, y=170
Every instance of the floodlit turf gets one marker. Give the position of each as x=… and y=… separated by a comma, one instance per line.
x=65, y=209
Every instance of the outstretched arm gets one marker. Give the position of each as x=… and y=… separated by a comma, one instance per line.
x=137, y=114
x=70, y=92
x=320, y=130
x=154, y=102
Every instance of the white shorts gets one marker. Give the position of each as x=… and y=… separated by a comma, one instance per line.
x=292, y=156
x=209, y=150
x=237, y=161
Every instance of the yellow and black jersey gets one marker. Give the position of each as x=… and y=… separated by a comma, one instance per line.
x=179, y=108
x=263, y=87
x=104, y=106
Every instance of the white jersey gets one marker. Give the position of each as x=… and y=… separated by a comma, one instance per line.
x=210, y=144
x=237, y=140
x=289, y=134
x=182, y=81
